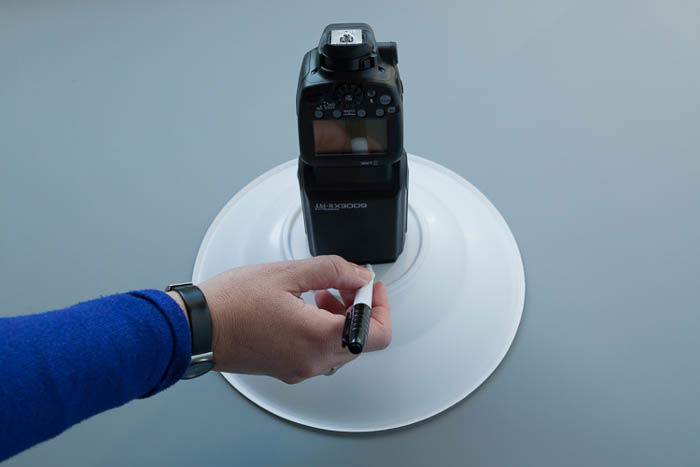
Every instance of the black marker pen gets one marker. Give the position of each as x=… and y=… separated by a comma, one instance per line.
x=357, y=319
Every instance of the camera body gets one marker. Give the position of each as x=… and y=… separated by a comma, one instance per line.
x=353, y=169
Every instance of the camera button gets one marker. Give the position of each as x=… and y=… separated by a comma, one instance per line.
x=391, y=109
x=337, y=113
x=371, y=93
x=318, y=114
x=379, y=112
x=361, y=113
x=385, y=99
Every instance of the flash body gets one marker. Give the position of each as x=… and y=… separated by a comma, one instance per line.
x=353, y=169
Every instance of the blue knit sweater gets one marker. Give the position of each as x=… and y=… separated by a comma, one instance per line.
x=61, y=367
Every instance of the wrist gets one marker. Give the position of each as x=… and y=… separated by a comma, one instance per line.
x=192, y=301
x=214, y=311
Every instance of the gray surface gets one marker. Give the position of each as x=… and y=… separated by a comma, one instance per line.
x=579, y=120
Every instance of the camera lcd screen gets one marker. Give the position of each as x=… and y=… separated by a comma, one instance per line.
x=350, y=136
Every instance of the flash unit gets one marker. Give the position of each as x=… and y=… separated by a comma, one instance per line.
x=353, y=170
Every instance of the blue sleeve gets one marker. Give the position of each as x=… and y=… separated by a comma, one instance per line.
x=61, y=367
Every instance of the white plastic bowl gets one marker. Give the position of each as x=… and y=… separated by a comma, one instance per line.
x=457, y=295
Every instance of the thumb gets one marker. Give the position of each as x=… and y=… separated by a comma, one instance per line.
x=325, y=272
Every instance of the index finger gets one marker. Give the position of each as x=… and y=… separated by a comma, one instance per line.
x=325, y=272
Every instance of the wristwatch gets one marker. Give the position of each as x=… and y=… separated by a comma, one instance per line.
x=202, y=359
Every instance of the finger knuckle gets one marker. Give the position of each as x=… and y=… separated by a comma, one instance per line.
x=317, y=342
x=334, y=258
x=305, y=370
x=336, y=263
x=291, y=380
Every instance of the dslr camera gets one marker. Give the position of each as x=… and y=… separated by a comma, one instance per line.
x=353, y=169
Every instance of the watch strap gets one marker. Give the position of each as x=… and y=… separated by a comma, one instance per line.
x=199, y=316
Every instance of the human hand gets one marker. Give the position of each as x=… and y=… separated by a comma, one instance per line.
x=262, y=326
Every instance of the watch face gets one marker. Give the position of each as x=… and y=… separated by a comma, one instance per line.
x=198, y=369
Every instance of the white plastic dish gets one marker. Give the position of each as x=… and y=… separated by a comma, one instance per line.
x=457, y=294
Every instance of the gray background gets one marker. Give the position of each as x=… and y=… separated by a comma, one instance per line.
x=579, y=120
